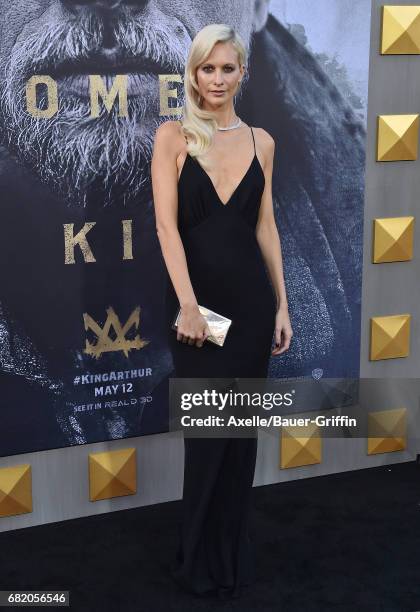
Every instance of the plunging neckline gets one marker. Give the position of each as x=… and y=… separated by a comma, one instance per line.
x=211, y=182
x=236, y=188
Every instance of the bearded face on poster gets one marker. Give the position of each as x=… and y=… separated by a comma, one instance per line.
x=87, y=163
x=68, y=41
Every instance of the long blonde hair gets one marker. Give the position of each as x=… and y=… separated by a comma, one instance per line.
x=197, y=122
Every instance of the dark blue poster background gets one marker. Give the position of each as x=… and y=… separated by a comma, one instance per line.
x=83, y=356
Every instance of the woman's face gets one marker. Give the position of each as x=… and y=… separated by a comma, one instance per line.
x=220, y=72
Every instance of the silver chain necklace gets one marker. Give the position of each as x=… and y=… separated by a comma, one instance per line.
x=231, y=127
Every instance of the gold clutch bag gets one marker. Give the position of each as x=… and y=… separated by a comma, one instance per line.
x=218, y=324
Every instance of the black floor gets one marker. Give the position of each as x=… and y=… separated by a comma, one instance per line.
x=347, y=542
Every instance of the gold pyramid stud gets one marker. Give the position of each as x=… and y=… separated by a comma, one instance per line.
x=112, y=474
x=390, y=337
x=15, y=490
x=400, y=33
x=393, y=239
x=300, y=446
x=387, y=431
x=397, y=137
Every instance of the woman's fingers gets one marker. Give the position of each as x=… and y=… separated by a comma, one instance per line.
x=193, y=340
x=206, y=334
x=283, y=339
x=186, y=339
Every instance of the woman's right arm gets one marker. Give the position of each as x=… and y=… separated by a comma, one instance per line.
x=192, y=326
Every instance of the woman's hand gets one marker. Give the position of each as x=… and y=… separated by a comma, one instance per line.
x=192, y=326
x=284, y=331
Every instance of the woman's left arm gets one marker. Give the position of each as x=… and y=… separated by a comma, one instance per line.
x=269, y=241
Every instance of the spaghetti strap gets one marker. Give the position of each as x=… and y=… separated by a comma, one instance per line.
x=252, y=132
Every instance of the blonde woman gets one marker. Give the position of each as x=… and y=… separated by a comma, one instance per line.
x=211, y=178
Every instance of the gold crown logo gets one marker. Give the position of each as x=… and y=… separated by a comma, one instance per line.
x=107, y=344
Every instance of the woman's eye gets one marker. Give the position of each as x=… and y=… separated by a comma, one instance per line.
x=207, y=68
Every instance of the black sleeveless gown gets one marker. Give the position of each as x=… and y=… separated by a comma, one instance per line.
x=229, y=276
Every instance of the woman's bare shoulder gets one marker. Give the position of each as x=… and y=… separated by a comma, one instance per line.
x=168, y=129
x=169, y=136
x=265, y=143
x=265, y=139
